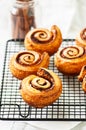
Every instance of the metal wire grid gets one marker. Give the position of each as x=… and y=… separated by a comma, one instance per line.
x=70, y=106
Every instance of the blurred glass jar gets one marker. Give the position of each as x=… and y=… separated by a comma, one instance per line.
x=23, y=17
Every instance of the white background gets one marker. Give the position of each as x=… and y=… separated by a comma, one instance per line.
x=70, y=16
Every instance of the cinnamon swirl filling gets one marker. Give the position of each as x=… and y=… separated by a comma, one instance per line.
x=28, y=58
x=42, y=36
x=40, y=83
x=72, y=52
x=83, y=34
x=43, y=81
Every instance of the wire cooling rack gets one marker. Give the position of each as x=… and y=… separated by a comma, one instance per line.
x=70, y=106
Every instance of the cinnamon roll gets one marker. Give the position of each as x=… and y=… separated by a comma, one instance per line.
x=70, y=60
x=82, y=78
x=82, y=73
x=25, y=63
x=84, y=84
x=44, y=40
x=42, y=89
x=81, y=38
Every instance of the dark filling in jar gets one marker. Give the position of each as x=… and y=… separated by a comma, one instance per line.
x=22, y=19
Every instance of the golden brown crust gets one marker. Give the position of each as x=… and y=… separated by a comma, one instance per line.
x=44, y=40
x=25, y=63
x=82, y=78
x=70, y=60
x=81, y=38
x=84, y=84
x=42, y=89
x=82, y=73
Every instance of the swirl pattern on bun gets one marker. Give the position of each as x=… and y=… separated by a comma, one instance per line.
x=42, y=89
x=81, y=38
x=25, y=63
x=41, y=40
x=70, y=60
